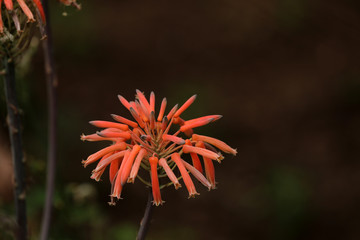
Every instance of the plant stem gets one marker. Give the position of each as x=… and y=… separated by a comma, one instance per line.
x=16, y=148
x=52, y=83
x=145, y=222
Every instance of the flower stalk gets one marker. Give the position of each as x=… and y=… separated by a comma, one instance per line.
x=145, y=222
x=52, y=82
x=14, y=125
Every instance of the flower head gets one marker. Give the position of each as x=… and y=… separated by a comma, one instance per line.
x=10, y=9
x=147, y=143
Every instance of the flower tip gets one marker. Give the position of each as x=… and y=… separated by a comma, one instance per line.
x=234, y=151
x=84, y=163
x=193, y=195
x=177, y=186
x=220, y=158
x=157, y=203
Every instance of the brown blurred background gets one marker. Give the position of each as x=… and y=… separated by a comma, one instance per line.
x=284, y=74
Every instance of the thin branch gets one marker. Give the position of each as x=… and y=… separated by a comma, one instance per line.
x=145, y=222
x=16, y=148
x=52, y=83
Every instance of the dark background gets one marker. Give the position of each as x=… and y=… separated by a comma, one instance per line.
x=284, y=74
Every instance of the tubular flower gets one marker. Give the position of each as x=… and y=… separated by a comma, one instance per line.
x=10, y=7
x=147, y=145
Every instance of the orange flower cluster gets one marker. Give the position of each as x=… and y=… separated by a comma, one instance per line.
x=148, y=143
x=24, y=7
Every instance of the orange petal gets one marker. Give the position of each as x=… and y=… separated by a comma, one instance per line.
x=117, y=186
x=195, y=158
x=202, y=151
x=209, y=167
x=137, y=117
x=94, y=137
x=185, y=175
x=26, y=10
x=162, y=110
x=1, y=21
x=185, y=106
x=142, y=100
x=198, y=175
x=136, y=165
x=41, y=10
x=152, y=120
x=194, y=124
x=94, y=157
x=106, y=124
x=169, y=173
x=110, y=134
x=175, y=139
x=217, y=143
x=152, y=102
x=127, y=167
x=8, y=4
x=97, y=175
x=172, y=112
x=114, y=168
x=124, y=102
x=109, y=160
x=155, y=181
x=124, y=120
x=213, y=117
x=142, y=111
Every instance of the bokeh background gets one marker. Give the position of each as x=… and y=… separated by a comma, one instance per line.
x=284, y=74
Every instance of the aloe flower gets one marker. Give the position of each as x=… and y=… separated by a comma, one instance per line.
x=146, y=144
x=9, y=6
